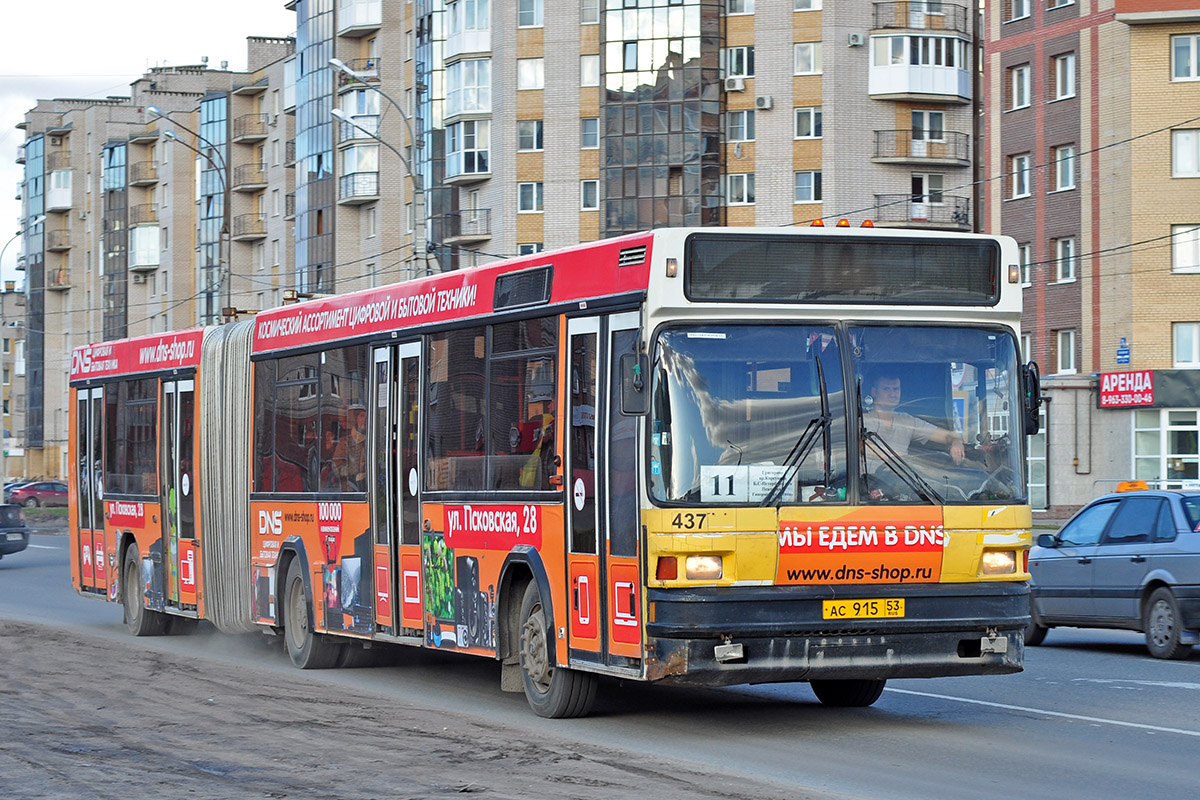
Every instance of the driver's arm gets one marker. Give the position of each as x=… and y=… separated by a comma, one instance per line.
x=951, y=439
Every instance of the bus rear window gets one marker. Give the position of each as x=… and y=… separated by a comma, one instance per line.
x=857, y=269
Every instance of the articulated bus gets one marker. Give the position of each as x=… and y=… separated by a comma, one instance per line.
x=691, y=456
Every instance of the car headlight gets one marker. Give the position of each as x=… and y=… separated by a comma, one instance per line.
x=704, y=568
x=999, y=562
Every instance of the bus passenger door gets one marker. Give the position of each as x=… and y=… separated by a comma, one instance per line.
x=621, y=519
x=89, y=431
x=178, y=494
x=584, y=569
x=395, y=483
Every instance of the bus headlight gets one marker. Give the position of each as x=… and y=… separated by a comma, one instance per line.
x=704, y=568
x=999, y=562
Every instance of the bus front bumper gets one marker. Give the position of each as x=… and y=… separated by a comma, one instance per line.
x=731, y=635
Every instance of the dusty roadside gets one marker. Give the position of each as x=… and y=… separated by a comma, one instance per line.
x=84, y=717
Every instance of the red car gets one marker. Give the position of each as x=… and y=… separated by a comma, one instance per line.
x=39, y=493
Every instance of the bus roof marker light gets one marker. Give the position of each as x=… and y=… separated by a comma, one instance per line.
x=866, y=223
x=817, y=223
x=672, y=267
x=843, y=223
x=1014, y=273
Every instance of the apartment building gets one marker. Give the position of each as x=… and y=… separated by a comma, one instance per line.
x=1093, y=158
x=12, y=381
x=151, y=212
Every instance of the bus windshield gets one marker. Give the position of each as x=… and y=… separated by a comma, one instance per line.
x=747, y=414
x=939, y=414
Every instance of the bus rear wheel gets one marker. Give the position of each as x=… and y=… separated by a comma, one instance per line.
x=140, y=621
x=848, y=694
x=306, y=648
x=553, y=692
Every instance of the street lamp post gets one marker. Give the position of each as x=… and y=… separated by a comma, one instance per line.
x=221, y=166
x=420, y=248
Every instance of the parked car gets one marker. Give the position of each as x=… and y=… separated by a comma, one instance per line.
x=1128, y=560
x=14, y=536
x=39, y=493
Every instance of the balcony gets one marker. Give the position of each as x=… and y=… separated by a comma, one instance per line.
x=367, y=67
x=364, y=126
x=899, y=147
x=915, y=68
x=145, y=136
x=58, y=241
x=289, y=153
x=20, y=154
x=357, y=18
x=143, y=173
x=467, y=227
x=250, y=128
x=58, y=159
x=58, y=279
x=58, y=192
x=143, y=214
x=943, y=212
x=357, y=188
x=289, y=205
x=249, y=178
x=248, y=227
x=924, y=16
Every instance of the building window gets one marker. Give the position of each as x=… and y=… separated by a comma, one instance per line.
x=808, y=123
x=1064, y=167
x=589, y=12
x=806, y=5
x=741, y=126
x=589, y=195
x=807, y=58
x=1019, y=175
x=1064, y=259
x=739, y=190
x=529, y=13
x=529, y=198
x=1185, y=248
x=739, y=62
x=529, y=248
x=740, y=7
x=1026, y=347
x=1019, y=87
x=1038, y=466
x=1017, y=9
x=469, y=87
x=1062, y=77
x=589, y=133
x=1025, y=260
x=807, y=187
x=928, y=126
x=1186, y=336
x=530, y=73
x=1185, y=154
x=1053, y=4
x=529, y=134
x=589, y=70
x=1185, y=57
x=467, y=147
x=1065, y=357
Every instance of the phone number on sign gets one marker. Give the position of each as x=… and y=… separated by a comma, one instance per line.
x=1127, y=399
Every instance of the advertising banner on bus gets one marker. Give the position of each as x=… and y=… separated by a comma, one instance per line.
x=863, y=546
x=131, y=356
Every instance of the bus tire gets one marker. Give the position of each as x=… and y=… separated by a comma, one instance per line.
x=848, y=694
x=140, y=621
x=1162, y=626
x=553, y=692
x=306, y=648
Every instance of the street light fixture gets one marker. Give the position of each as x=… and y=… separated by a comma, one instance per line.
x=420, y=248
x=221, y=167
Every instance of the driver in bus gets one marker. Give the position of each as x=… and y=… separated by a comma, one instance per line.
x=898, y=428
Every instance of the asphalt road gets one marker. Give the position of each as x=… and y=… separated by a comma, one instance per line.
x=1092, y=715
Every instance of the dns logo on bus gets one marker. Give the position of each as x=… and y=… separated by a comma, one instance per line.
x=270, y=522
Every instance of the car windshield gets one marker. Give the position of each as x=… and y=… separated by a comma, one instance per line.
x=739, y=415
x=939, y=410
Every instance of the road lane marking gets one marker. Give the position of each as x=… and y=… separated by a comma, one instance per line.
x=1063, y=715
x=44, y=547
x=1160, y=684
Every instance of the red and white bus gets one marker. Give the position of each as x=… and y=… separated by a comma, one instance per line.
x=692, y=456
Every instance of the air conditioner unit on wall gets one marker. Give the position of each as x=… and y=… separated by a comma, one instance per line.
x=55, y=141
x=139, y=277
x=735, y=84
x=764, y=102
x=854, y=40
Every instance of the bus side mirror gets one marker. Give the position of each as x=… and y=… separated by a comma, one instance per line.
x=635, y=395
x=1031, y=397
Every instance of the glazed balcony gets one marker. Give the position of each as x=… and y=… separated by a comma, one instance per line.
x=357, y=18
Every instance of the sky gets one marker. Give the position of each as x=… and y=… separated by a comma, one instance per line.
x=97, y=48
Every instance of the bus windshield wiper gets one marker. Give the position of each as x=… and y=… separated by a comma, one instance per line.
x=894, y=461
x=817, y=425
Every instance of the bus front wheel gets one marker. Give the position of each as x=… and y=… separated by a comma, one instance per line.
x=140, y=621
x=307, y=648
x=553, y=692
x=848, y=694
